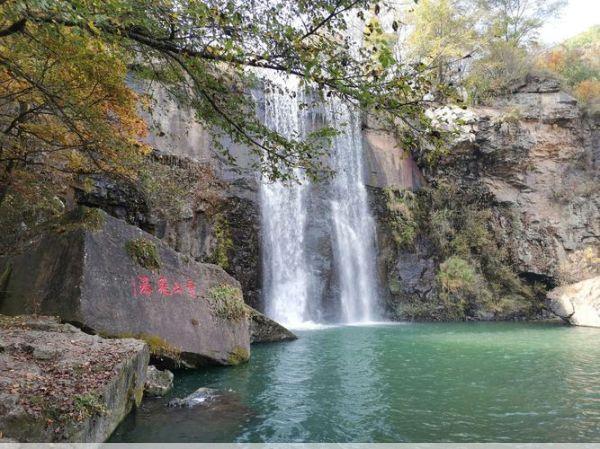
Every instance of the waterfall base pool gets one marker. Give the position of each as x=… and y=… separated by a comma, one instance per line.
x=480, y=382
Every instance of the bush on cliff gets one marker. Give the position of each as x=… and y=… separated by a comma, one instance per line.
x=476, y=275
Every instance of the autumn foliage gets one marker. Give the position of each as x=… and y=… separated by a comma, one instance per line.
x=65, y=111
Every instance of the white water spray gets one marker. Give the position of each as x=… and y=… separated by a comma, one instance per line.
x=286, y=276
x=286, y=224
x=353, y=225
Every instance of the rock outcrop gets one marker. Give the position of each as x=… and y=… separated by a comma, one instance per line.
x=532, y=167
x=118, y=280
x=579, y=303
x=58, y=384
x=534, y=152
x=202, y=396
x=265, y=330
x=158, y=382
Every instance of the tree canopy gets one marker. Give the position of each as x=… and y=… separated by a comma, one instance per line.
x=66, y=103
x=482, y=45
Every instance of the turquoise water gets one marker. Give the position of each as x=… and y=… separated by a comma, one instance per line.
x=488, y=382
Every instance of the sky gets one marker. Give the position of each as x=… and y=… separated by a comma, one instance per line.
x=576, y=17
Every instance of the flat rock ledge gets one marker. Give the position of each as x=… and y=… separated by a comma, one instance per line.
x=59, y=384
x=579, y=303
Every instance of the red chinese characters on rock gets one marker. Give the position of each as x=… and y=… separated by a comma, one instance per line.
x=143, y=286
x=163, y=287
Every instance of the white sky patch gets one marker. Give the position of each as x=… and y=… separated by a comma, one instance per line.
x=576, y=17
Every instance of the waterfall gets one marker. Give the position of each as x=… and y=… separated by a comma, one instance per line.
x=288, y=275
x=284, y=217
x=354, y=228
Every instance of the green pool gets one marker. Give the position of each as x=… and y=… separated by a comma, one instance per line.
x=471, y=382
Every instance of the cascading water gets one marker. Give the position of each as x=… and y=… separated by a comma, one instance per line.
x=286, y=276
x=354, y=227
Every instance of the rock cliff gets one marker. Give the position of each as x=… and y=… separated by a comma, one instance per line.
x=523, y=190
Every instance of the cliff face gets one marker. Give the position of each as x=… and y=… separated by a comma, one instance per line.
x=517, y=205
x=531, y=178
x=537, y=154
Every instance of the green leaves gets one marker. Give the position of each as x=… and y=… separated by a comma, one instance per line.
x=206, y=52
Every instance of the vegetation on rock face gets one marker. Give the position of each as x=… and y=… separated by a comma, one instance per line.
x=224, y=243
x=400, y=207
x=238, y=355
x=20, y=223
x=228, y=302
x=89, y=404
x=577, y=62
x=159, y=348
x=171, y=186
x=475, y=271
x=144, y=253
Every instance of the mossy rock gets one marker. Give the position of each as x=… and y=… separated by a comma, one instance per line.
x=144, y=253
x=238, y=355
x=228, y=302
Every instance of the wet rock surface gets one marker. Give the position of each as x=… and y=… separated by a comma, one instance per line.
x=58, y=384
x=265, y=330
x=202, y=396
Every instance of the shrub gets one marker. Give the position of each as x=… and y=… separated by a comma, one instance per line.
x=228, y=302
x=400, y=205
x=89, y=404
x=497, y=71
x=588, y=92
x=144, y=253
x=457, y=275
x=224, y=241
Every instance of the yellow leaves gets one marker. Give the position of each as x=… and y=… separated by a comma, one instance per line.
x=75, y=160
x=93, y=28
x=81, y=107
x=588, y=91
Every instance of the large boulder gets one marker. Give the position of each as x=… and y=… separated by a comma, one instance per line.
x=58, y=384
x=578, y=304
x=117, y=280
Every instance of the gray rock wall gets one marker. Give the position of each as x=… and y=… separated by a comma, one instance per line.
x=534, y=162
x=534, y=152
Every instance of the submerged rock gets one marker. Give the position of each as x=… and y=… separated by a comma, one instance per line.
x=578, y=304
x=79, y=396
x=120, y=281
x=265, y=330
x=158, y=383
x=201, y=396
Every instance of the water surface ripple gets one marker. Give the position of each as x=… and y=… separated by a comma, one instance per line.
x=492, y=382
